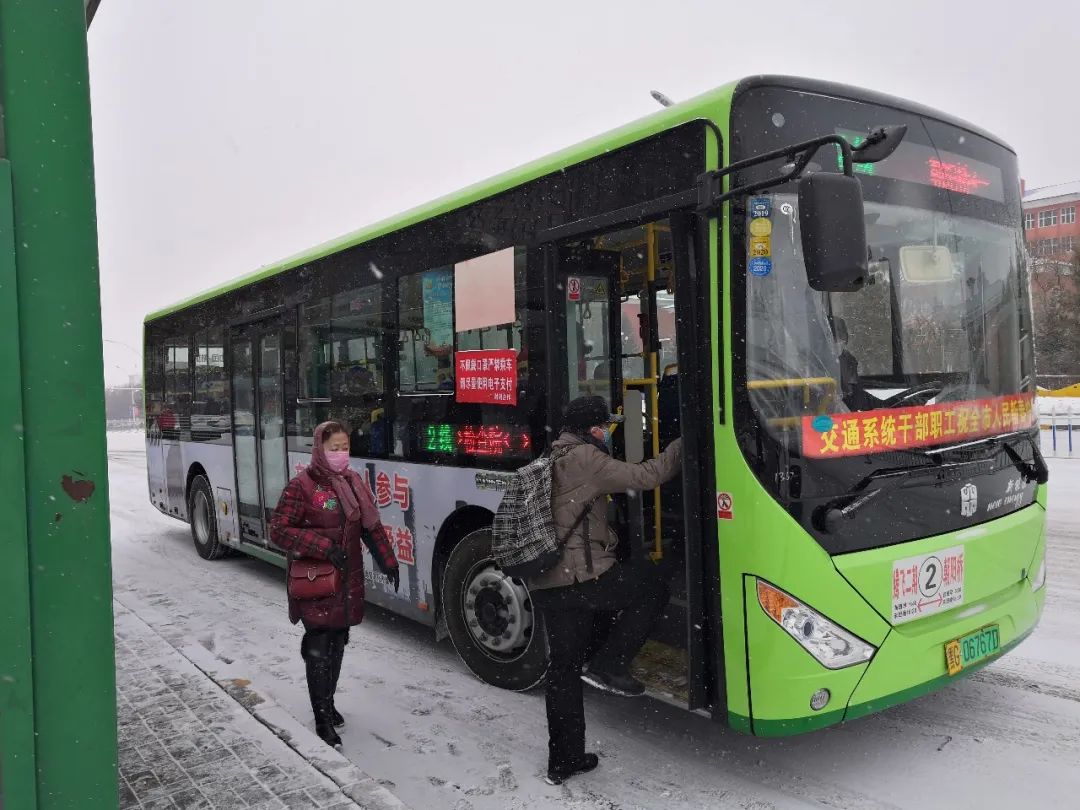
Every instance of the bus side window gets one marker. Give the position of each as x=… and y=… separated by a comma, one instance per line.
x=210, y=405
x=313, y=350
x=340, y=361
x=176, y=415
x=426, y=332
x=155, y=382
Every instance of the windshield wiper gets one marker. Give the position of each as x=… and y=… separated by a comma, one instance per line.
x=833, y=514
x=1035, y=470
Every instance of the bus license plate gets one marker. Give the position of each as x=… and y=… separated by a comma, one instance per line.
x=964, y=651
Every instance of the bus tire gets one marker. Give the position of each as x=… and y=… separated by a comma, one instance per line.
x=490, y=618
x=203, y=518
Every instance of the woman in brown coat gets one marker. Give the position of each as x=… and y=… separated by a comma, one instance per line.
x=326, y=513
x=588, y=578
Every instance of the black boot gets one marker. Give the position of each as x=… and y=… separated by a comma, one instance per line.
x=560, y=773
x=336, y=656
x=316, y=650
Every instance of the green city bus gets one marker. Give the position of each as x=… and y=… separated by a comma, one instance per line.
x=822, y=289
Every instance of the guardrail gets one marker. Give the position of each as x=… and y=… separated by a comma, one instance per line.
x=1059, y=420
x=123, y=424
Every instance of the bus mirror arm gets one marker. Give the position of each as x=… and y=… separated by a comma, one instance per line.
x=879, y=144
x=711, y=194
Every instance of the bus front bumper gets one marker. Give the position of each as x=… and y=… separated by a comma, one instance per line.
x=911, y=661
x=908, y=663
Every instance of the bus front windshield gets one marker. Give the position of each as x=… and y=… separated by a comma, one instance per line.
x=944, y=318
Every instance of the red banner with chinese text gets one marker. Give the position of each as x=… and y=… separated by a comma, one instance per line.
x=487, y=376
x=852, y=434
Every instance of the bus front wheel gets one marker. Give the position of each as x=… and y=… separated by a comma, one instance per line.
x=203, y=517
x=490, y=617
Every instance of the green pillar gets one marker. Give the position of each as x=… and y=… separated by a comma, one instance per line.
x=57, y=676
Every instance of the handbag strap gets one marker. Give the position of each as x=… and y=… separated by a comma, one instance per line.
x=555, y=456
x=581, y=517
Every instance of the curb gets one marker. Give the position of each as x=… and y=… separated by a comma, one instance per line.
x=238, y=679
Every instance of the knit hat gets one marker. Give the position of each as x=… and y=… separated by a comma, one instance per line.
x=586, y=412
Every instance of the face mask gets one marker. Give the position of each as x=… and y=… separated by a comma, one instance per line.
x=337, y=460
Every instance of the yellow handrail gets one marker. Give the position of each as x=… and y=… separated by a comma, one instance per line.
x=806, y=383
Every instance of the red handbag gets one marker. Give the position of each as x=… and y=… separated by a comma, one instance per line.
x=313, y=579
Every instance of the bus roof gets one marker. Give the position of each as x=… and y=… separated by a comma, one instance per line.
x=713, y=104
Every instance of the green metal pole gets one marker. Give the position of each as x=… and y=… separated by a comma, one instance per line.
x=60, y=426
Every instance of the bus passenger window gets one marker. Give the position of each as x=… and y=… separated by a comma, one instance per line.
x=356, y=338
x=426, y=337
x=313, y=350
x=341, y=372
x=177, y=413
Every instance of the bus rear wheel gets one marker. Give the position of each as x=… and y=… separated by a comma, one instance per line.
x=490, y=618
x=203, y=517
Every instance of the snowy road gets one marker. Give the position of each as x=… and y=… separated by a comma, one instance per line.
x=1008, y=737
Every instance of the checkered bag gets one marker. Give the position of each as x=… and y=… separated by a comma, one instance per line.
x=524, y=541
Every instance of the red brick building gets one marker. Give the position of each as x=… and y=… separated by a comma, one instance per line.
x=1051, y=226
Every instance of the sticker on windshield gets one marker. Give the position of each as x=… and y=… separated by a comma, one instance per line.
x=760, y=267
x=885, y=429
x=761, y=246
x=931, y=583
x=761, y=227
x=760, y=207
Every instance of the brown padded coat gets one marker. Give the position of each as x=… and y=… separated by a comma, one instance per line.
x=580, y=476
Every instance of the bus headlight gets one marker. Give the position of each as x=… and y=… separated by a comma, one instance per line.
x=1039, y=579
x=832, y=645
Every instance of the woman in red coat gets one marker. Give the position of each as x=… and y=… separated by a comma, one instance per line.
x=326, y=512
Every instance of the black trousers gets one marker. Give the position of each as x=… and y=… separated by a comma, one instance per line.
x=322, y=649
x=322, y=642
x=638, y=592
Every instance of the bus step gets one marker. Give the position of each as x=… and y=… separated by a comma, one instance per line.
x=662, y=668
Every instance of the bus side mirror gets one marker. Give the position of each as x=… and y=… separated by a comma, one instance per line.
x=833, y=232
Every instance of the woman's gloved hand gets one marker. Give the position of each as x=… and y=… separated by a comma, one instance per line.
x=337, y=557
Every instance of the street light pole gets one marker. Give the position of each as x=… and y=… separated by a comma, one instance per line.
x=57, y=675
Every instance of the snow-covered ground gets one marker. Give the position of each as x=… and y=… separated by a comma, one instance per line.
x=1007, y=737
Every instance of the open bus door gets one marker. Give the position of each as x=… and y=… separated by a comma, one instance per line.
x=618, y=333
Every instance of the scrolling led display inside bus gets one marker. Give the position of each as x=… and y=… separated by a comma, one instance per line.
x=917, y=163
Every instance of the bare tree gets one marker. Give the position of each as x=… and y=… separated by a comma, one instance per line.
x=1055, y=298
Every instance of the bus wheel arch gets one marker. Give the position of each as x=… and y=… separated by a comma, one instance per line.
x=489, y=617
x=202, y=515
x=194, y=471
x=462, y=521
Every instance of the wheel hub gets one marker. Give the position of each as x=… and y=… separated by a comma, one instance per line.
x=498, y=611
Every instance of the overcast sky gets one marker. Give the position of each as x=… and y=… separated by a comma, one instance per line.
x=231, y=133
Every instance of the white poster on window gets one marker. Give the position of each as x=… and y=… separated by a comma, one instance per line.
x=484, y=291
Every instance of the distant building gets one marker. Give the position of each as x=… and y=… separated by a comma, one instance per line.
x=1051, y=227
